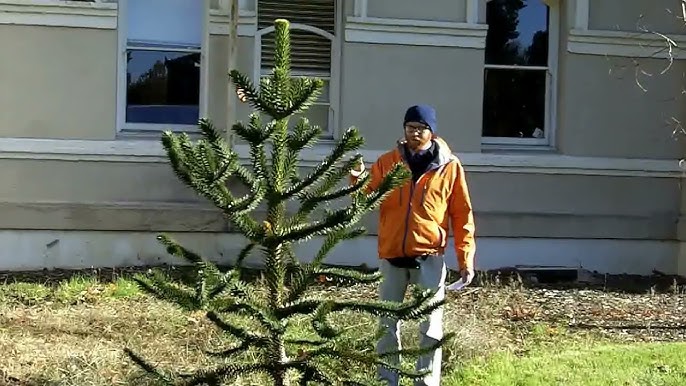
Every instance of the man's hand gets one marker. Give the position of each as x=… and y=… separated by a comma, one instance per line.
x=467, y=275
x=359, y=169
x=241, y=95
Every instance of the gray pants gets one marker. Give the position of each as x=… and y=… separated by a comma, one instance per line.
x=431, y=274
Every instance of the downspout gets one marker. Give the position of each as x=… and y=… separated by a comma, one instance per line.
x=233, y=9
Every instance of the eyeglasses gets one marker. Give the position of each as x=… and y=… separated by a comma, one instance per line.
x=419, y=129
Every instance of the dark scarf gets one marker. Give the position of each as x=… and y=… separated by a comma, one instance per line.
x=419, y=162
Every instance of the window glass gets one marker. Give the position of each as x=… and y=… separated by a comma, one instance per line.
x=163, y=61
x=516, y=70
x=171, y=22
x=517, y=32
x=163, y=87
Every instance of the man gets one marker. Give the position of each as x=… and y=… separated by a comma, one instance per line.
x=413, y=231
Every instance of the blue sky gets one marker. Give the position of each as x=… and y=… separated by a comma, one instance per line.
x=532, y=18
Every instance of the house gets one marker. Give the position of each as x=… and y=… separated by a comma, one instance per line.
x=558, y=109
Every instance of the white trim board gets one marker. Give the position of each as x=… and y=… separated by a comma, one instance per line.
x=414, y=32
x=151, y=151
x=624, y=44
x=472, y=11
x=220, y=20
x=581, y=14
x=31, y=250
x=56, y=13
x=143, y=151
x=360, y=8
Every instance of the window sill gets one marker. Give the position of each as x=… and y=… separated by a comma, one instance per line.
x=157, y=127
x=493, y=148
x=137, y=151
x=150, y=134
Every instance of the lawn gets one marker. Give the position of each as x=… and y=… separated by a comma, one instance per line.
x=601, y=364
x=60, y=329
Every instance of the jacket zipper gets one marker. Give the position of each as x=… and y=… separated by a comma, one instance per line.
x=409, y=207
x=407, y=215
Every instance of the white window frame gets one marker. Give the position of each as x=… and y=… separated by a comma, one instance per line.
x=122, y=37
x=333, y=77
x=550, y=118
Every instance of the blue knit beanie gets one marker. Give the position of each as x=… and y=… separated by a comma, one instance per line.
x=423, y=114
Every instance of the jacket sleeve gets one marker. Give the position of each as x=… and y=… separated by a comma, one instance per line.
x=462, y=219
x=376, y=177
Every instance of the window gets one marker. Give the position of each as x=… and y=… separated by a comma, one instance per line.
x=160, y=69
x=519, y=72
x=314, y=49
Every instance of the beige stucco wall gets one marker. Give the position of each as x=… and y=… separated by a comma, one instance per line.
x=575, y=206
x=62, y=181
x=440, y=10
x=393, y=77
x=607, y=109
x=625, y=107
x=61, y=82
x=58, y=82
x=612, y=106
x=635, y=15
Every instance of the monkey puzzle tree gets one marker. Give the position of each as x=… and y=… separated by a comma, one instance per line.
x=265, y=339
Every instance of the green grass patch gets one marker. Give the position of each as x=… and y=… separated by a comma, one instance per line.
x=24, y=293
x=573, y=364
x=75, y=290
x=123, y=288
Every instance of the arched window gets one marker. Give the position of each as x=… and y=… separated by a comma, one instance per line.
x=314, y=48
x=519, y=73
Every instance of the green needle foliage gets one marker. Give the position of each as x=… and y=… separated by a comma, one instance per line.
x=270, y=307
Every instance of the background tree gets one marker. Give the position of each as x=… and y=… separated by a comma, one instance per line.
x=322, y=355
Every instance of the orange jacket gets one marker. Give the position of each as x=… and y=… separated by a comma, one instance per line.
x=414, y=218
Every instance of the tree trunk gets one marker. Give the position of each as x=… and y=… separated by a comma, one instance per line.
x=280, y=378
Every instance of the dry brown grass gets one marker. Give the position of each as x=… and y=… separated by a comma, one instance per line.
x=82, y=344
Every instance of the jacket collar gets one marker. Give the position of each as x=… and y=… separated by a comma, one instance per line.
x=443, y=155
